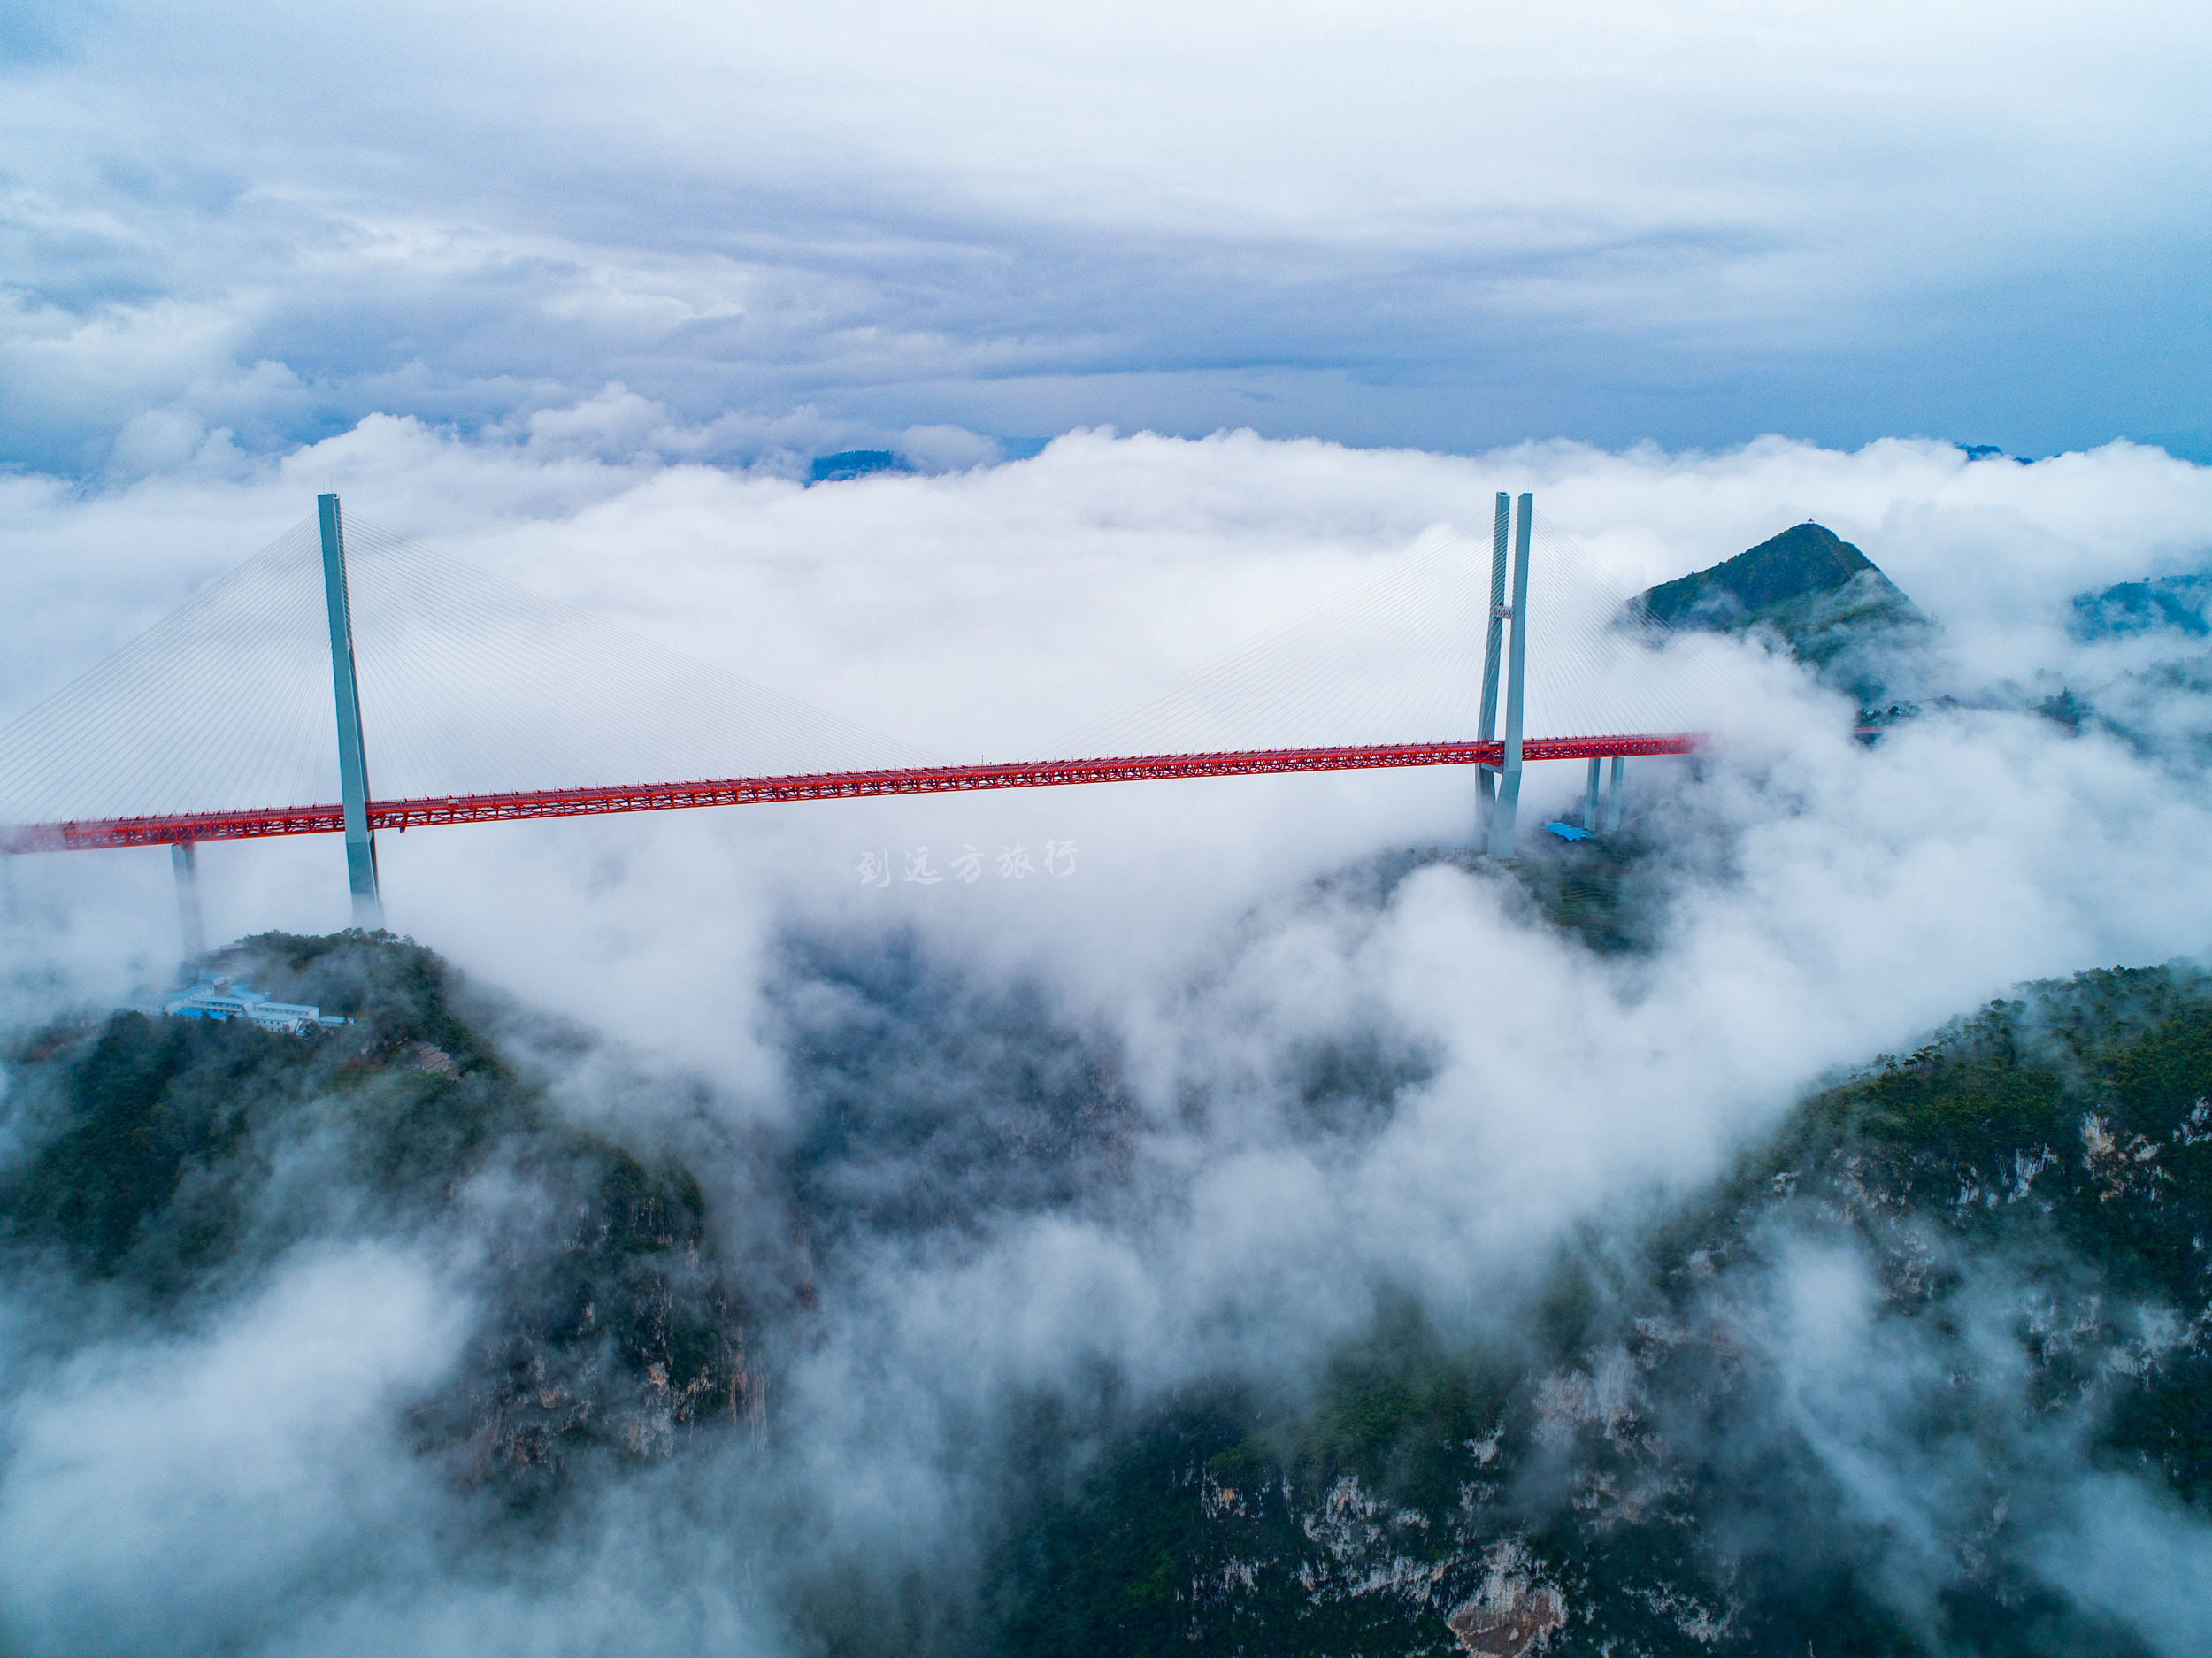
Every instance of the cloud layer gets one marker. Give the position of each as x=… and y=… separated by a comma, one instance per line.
x=1408, y=224
x=1818, y=902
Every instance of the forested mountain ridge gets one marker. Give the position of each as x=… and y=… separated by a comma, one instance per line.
x=1820, y=596
x=2007, y=1229
x=1779, y=583
x=1850, y=1398
x=171, y=1159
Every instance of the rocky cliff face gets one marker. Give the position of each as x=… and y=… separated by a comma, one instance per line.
x=1980, y=1267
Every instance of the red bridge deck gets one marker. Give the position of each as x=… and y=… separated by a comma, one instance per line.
x=749, y=791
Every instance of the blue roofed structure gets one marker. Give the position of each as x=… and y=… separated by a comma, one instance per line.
x=224, y=999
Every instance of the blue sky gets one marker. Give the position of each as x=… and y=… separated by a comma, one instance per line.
x=797, y=229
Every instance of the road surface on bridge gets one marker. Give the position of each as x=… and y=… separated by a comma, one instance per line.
x=402, y=815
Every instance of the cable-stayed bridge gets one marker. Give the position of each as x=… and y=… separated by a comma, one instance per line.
x=469, y=699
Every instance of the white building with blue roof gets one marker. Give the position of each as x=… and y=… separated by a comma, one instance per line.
x=223, y=999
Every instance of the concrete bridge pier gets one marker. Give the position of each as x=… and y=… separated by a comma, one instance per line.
x=184, y=865
x=1602, y=798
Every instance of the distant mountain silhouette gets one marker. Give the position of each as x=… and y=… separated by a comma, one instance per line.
x=850, y=464
x=2164, y=604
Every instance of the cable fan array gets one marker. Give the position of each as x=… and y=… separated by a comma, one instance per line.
x=213, y=707
x=1396, y=657
x=473, y=686
x=469, y=684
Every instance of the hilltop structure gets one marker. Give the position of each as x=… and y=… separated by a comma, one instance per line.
x=222, y=999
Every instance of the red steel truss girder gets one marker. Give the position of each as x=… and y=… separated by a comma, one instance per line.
x=584, y=802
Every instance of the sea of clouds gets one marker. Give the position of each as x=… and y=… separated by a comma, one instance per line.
x=1823, y=900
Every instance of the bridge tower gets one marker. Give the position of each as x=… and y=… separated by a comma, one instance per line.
x=1486, y=729
x=353, y=766
x=1501, y=810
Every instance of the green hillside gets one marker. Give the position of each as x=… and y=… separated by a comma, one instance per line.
x=1821, y=596
x=174, y=1159
x=2023, y=1201
x=2177, y=605
x=1847, y=1399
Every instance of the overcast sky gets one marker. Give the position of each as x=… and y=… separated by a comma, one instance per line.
x=802, y=228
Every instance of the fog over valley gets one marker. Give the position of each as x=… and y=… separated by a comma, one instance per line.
x=971, y=1186
x=986, y=832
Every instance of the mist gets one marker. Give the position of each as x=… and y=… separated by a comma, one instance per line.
x=1095, y=1150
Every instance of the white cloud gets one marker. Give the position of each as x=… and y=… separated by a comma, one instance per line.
x=193, y=1484
x=1828, y=901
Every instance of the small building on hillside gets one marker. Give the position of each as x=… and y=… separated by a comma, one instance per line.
x=221, y=999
